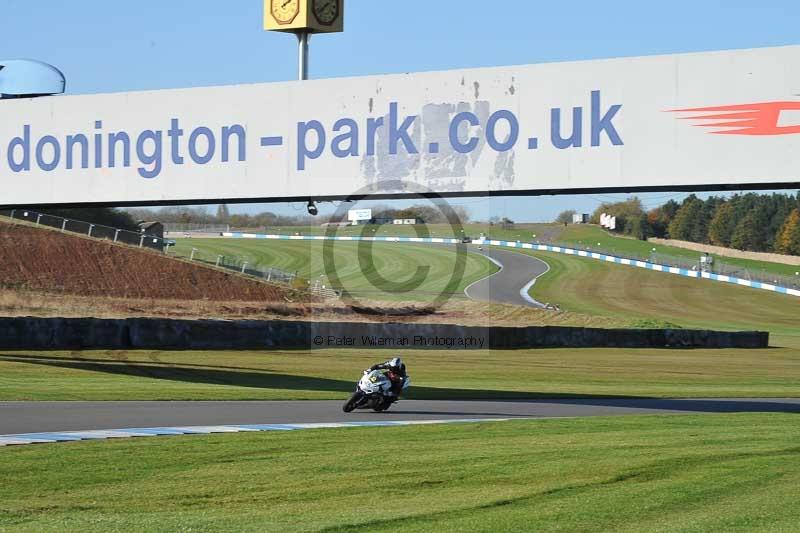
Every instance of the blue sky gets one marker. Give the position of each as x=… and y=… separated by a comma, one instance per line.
x=105, y=46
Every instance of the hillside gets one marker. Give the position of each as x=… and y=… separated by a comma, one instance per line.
x=583, y=235
x=43, y=260
x=593, y=287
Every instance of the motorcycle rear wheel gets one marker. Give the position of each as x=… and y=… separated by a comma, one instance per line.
x=383, y=406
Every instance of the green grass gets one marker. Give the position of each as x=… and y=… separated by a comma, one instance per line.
x=645, y=473
x=331, y=374
x=593, y=287
x=414, y=272
x=574, y=234
x=524, y=232
x=580, y=285
x=586, y=235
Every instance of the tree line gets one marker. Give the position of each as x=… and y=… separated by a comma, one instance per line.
x=752, y=222
x=202, y=215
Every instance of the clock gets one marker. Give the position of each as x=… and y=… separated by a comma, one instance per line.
x=325, y=11
x=303, y=16
x=285, y=11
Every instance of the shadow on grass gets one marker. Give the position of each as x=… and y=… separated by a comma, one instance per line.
x=559, y=404
x=261, y=379
x=188, y=373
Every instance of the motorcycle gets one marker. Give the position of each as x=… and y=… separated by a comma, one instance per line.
x=374, y=391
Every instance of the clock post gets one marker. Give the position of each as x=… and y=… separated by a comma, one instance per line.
x=303, y=18
x=302, y=42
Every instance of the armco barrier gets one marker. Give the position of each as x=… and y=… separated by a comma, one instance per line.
x=28, y=333
x=543, y=248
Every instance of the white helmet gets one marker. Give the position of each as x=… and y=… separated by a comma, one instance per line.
x=396, y=363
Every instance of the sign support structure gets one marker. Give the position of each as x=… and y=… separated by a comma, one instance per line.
x=302, y=43
x=304, y=17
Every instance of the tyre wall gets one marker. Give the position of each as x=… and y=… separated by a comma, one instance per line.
x=27, y=333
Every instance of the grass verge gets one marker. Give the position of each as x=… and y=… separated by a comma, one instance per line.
x=331, y=374
x=592, y=287
x=585, y=235
x=524, y=232
x=646, y=473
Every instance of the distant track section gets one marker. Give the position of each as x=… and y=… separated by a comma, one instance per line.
x=549, y=248
x=510, y=284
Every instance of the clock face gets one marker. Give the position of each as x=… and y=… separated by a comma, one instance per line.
x=326, y=11
x=285, y=11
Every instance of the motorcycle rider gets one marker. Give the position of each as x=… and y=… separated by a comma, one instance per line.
x=396, y=372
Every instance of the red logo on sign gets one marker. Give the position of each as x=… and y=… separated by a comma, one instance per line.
x=744, y=119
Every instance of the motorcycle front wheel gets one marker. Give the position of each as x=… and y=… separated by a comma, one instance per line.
x=352, y=403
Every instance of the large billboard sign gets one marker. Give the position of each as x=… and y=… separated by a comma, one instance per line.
x=679, y=122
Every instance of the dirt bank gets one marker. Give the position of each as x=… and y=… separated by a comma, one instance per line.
x=43, y=260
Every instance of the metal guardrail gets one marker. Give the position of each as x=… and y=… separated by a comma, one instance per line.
x=97, y=231
x=175, y=227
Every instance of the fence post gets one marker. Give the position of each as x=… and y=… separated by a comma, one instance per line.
x=91, y=227
x=244, y=266
x=64, y=225
x=219, y=258
x=141, y=241
x=38, y=218
x=12, y=213
x=191, y=256
x=116, y=235
x=269, y=276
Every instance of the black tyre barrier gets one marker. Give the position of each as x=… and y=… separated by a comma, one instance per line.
x=29, y=333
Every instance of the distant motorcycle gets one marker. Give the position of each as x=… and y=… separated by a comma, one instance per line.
x=374, y=391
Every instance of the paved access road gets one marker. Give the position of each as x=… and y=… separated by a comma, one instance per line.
x=509, y=285
x=35, y=417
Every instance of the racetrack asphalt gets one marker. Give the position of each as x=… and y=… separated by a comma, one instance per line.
x=34, y=417
x=510, y=284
